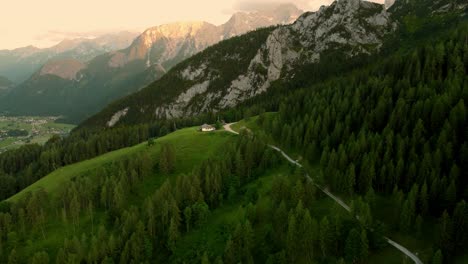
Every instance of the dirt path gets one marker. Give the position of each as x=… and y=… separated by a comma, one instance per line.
x=228, y=128
x=404, y=250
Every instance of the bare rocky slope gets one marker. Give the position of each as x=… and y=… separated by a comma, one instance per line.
x=221, y=77
x=166, y=45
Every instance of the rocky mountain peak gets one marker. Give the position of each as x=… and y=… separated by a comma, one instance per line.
x=22, y=52
x=168, y=44
x=178, y=30
x=242, y=22
x=351, y=27
x=345, y=22
x=67, y=44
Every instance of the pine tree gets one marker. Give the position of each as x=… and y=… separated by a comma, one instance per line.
x=173, y=235
x=437, y=258
x=40, y=258
x=61, y=258
x=364, y=249
x=188, y=218
x=291, y=242
x=13, y=257
x=350, y=180
x=418, y=225
x=230, y=253
x=423, y=200
x=75, y=211
x=308, y=234
x=205, y=259
x=353, y=246
x=445, y=242
x=248, y=242
x=406, y=217
x=460, y=225
x=324, y=236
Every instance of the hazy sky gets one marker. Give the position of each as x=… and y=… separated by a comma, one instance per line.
x=46, y=22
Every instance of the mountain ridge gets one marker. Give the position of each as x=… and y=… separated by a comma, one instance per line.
x=352, y=27
x=19, y=64
x=112, y=75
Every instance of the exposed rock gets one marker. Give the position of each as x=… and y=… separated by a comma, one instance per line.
x=192, y=74
x=176, y=109
x=354, y=26
x=270, y=59
x=117, y=116
x=177, y=41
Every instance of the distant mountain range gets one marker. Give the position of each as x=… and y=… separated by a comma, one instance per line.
x=234, y=71
x=75, y=89
x=19, y=64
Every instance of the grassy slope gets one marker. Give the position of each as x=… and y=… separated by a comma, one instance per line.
x=191, y=148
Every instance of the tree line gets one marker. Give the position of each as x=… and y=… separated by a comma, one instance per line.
x=101, y=225
x=397, y=129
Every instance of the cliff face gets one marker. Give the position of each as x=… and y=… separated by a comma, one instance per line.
x=220, y=78
x=354, y=26
x=166, y=45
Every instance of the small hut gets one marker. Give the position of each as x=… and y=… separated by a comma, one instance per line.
x=207, y=128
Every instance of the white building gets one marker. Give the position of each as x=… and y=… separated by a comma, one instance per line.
x=207, y=128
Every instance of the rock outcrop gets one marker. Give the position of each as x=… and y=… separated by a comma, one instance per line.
x=171, y=43
x=351, y=26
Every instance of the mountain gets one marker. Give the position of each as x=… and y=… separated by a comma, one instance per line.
x=115, y=74
x=5, y=85
x=224, y=76
x=166, y=45
x=19, y=64
x=63, y=68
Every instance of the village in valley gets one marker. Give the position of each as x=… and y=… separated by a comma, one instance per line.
x=16, y=131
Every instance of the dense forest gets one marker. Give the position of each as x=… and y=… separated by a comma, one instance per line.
x=397, y=129
x=102, y=226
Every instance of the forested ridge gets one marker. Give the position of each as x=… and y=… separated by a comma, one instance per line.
x=398, y=129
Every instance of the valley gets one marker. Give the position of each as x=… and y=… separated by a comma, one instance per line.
x=16, y=131
x=335, y=135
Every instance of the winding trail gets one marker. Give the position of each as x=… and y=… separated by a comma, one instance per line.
x=401, y=248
